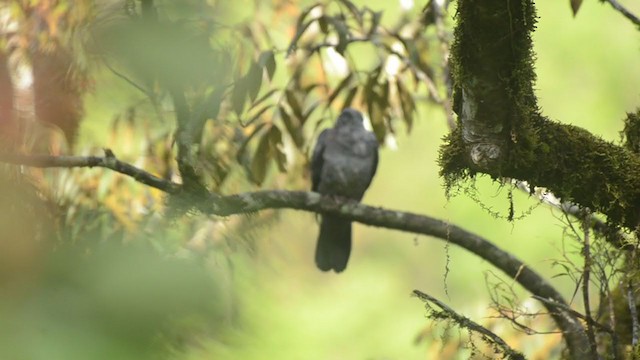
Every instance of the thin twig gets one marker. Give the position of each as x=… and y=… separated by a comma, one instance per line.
x=586, y=275
x=464, y=322
x=628, y=14
x=633, y=312
x=612, y=324
x=610, y=234
x=126, y=78
x=566, y=308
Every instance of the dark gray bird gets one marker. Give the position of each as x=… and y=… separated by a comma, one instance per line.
x=343, y=164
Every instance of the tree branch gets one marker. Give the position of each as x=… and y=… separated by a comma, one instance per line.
x=628, y=14
x=368, y=215
x=464, y=322
x=587, y=319
x=586, y=280
x=109, y=161
x=501, y=131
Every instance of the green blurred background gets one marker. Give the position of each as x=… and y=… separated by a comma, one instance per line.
x=269, y=300
x=588, y=74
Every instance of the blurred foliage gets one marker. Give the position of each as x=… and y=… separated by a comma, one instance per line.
x=91, y=268
x=229, y=78
x=89, y=295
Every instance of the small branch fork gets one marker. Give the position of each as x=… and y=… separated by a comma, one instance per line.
x=214, y=204
x=448, y=313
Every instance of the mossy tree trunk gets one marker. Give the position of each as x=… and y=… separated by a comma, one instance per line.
x=501, y=131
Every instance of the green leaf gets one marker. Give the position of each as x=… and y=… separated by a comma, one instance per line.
x=301, y=27
x=243, y=147
x=213, y=102
x=275, y=142
x=264, y=97
x=407, y=104
x=293, y=127
x=267, y=60
x=575, y=6
x=376, y=114
x=323, y=21
x=353, y=10
x=343, y=34
x=295, y=105
x=348, y=100
x=239, y=95
x=257, y=115
x=371, y=83
x=376, y=16
x=341, y=86
x=254, y=81
x=260, y=159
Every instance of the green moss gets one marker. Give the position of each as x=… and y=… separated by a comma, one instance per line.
x=492, y=58
x=632, y=131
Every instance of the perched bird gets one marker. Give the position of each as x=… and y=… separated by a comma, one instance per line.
x=343, y=164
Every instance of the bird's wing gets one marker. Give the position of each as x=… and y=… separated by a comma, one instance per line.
x=373, y=143
x=317, y=160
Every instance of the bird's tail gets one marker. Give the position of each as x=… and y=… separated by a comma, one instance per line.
x=334, y=244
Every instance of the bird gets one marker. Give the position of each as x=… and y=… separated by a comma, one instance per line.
x=343, y=164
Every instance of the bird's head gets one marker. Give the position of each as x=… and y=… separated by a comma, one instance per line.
x=349, y=117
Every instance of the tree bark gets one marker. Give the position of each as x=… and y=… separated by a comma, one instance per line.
x=501, y=131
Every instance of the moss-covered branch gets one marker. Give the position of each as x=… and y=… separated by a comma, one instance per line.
x=502, y=133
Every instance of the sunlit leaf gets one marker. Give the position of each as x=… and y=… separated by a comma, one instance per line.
x=257, y=115
x=310, y=109
x=264, y=97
